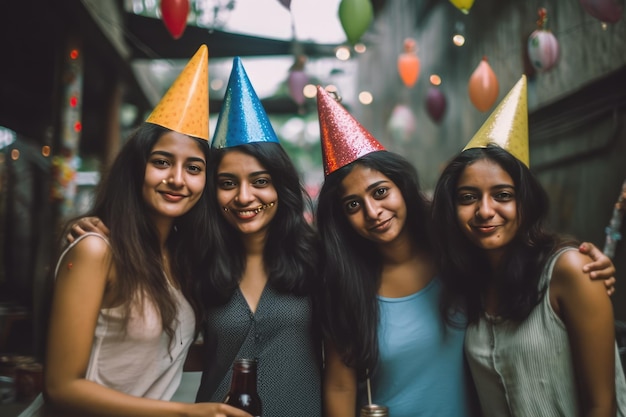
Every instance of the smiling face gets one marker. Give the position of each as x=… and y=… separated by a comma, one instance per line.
x=175, y=176
x=246, y=193
x=373, y=204
x=487, y=206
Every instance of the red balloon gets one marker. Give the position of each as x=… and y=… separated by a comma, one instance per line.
x=607, y=11
x=435, y=104
x=175, y=14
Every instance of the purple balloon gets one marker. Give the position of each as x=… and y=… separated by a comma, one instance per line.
x=435, y=104
x=607, y=11
x=296, y=82
x=286, y=3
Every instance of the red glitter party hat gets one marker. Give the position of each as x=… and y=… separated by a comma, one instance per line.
x=344, y=139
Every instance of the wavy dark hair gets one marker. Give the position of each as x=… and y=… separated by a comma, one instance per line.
x=135, y=249
x=291, y=249
x=352, y=265
x=464, y=267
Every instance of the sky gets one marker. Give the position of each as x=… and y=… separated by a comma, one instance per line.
x=314, y=20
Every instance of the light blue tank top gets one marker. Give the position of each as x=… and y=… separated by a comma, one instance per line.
x=421, y=368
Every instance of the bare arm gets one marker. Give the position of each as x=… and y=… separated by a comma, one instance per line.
x=601, y=267
x=588, y=315
x=339, y=386
x=80, y=290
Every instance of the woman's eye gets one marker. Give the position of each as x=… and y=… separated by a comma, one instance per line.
x=226, y=184
x=466, y=198
x=195, y=169
x=261, y=182
x=160, y=162
x=380, y=192
x=352, y=206
x=505, y=196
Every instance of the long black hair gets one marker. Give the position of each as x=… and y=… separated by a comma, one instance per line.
x=352, y=265
x=291, y=249
x=136, y=253
x=464, y=267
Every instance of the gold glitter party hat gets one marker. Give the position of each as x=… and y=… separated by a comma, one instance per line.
x=343, y=138
x=185, y=106
x=507, y=126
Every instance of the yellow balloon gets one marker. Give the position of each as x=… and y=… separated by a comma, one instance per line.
x=463, y=5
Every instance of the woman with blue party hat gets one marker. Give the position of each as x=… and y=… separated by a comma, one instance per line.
x=262, y=273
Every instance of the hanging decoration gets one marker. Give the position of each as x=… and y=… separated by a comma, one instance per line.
x=297, y=80
x=409, y=63
x=286, y=4
x=483, y=86
x=435, y=100
x=463, y=5
x=175, y=14
x=543, y=48
x=402, y=123
x=606, y=11
x=356, y=17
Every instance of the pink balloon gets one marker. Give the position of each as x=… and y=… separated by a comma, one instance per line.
x=483, y=86
x=543, y=50
x=175, y=14
x=296, y=81
x=435, y=104
x=607, y=11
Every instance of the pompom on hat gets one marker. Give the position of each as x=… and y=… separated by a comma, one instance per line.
x=507, y=126
x=344, y=139
x=185, y=106
x=242, y=119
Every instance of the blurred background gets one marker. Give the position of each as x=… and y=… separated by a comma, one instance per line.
x=76, y=76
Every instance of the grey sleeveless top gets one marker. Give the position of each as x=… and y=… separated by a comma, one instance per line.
x=525, y=369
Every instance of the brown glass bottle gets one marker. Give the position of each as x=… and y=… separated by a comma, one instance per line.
x=243, y=393
x=373, y=410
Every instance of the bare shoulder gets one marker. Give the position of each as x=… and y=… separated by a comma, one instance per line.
x=569, y=280
x=89, y=251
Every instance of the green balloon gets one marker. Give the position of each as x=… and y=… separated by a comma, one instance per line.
x=356, y=17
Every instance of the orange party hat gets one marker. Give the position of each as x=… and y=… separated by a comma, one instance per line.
x=344, y=139
x=185, y=106
x=507, y=126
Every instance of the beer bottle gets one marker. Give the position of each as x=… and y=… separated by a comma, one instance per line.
x=243, y=393
x=373, y=410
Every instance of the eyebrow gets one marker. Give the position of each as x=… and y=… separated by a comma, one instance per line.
x=369, y=188
x=171, y=155
x=495, y=187
x=252, y=174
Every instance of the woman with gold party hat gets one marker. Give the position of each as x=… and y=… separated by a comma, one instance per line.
x=123, y=312
x=540, y=340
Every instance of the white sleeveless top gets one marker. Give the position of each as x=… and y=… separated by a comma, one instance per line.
x=525, y=369
x=136, y=360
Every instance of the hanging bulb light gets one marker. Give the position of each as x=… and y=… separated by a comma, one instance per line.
x=543, y=47
x=409, y=63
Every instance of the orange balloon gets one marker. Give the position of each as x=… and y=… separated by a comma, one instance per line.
x=409, y=64
x=483, y=86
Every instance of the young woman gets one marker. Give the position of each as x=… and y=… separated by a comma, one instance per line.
x=386, y=341
x=262, y=265
x=541, y=335
x=540, y=340
x=123, y=313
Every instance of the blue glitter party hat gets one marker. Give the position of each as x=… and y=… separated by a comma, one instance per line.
x=242, y=119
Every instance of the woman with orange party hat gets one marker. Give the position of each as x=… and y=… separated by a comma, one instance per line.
x=123, y=313
x=540, y=340
x=385, y=339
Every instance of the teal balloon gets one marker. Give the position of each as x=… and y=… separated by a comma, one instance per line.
x=356, y=17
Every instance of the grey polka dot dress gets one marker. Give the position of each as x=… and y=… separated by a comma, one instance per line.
x=281, y=337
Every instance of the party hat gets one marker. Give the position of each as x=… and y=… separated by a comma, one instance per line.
x=344, y=139
x=507, y=126
x=185, y=106
x=242, y=119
